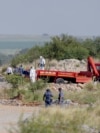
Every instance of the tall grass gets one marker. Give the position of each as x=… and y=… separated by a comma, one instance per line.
x=60, y=120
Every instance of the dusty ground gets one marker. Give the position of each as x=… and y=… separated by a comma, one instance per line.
x=9, y=116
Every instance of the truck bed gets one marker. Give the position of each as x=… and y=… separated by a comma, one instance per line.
x=78, y=77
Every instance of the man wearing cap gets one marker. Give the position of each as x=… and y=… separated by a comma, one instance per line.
x=47, y=97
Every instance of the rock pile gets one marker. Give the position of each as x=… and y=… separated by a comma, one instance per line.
x=71, y=65
x=69, y=87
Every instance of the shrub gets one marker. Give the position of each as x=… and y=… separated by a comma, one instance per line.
x=38, y=85
x=12, y=93
x=57, y=120
x=15, y=80
x=89, y=86
x=32, y=92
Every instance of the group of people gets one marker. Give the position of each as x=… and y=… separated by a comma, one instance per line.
x=31, y=73
x=48, y=97
x=18, y=70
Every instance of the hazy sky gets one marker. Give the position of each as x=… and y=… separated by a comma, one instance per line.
x=54, y=17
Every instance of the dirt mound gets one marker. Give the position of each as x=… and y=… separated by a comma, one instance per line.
x=73, y=65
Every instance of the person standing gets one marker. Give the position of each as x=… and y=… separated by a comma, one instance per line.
x=21, y=70
x=42, y=63
x=47, y=97
x=32, y=74
x=60, y=96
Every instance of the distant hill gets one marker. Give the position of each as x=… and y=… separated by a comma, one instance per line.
x=13, y=44
x=22, y=41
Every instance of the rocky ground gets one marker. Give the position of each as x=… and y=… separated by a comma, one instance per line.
x=71, y=65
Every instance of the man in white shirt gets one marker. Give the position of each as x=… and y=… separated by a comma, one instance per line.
x=42, y=63
x=9, y=70
x=32, y=74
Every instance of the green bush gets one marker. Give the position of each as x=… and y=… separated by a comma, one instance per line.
x=15, y=80
x=61, y=47
x=33, y=92
x=29, y=93
x=12, y=93
x=38, y=85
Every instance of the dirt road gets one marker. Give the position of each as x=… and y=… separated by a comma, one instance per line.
x=9, y=115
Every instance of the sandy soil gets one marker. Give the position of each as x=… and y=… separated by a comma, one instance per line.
x=9, y=116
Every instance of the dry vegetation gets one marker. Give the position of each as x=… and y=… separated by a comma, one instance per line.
x=83, y=116
x=62, y=120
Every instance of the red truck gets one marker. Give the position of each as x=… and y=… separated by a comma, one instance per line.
x=93, y=72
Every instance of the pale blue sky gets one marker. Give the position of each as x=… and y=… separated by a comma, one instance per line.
x=54, y=17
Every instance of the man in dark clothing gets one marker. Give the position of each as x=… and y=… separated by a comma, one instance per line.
x=60, y=96
x=47, y=97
